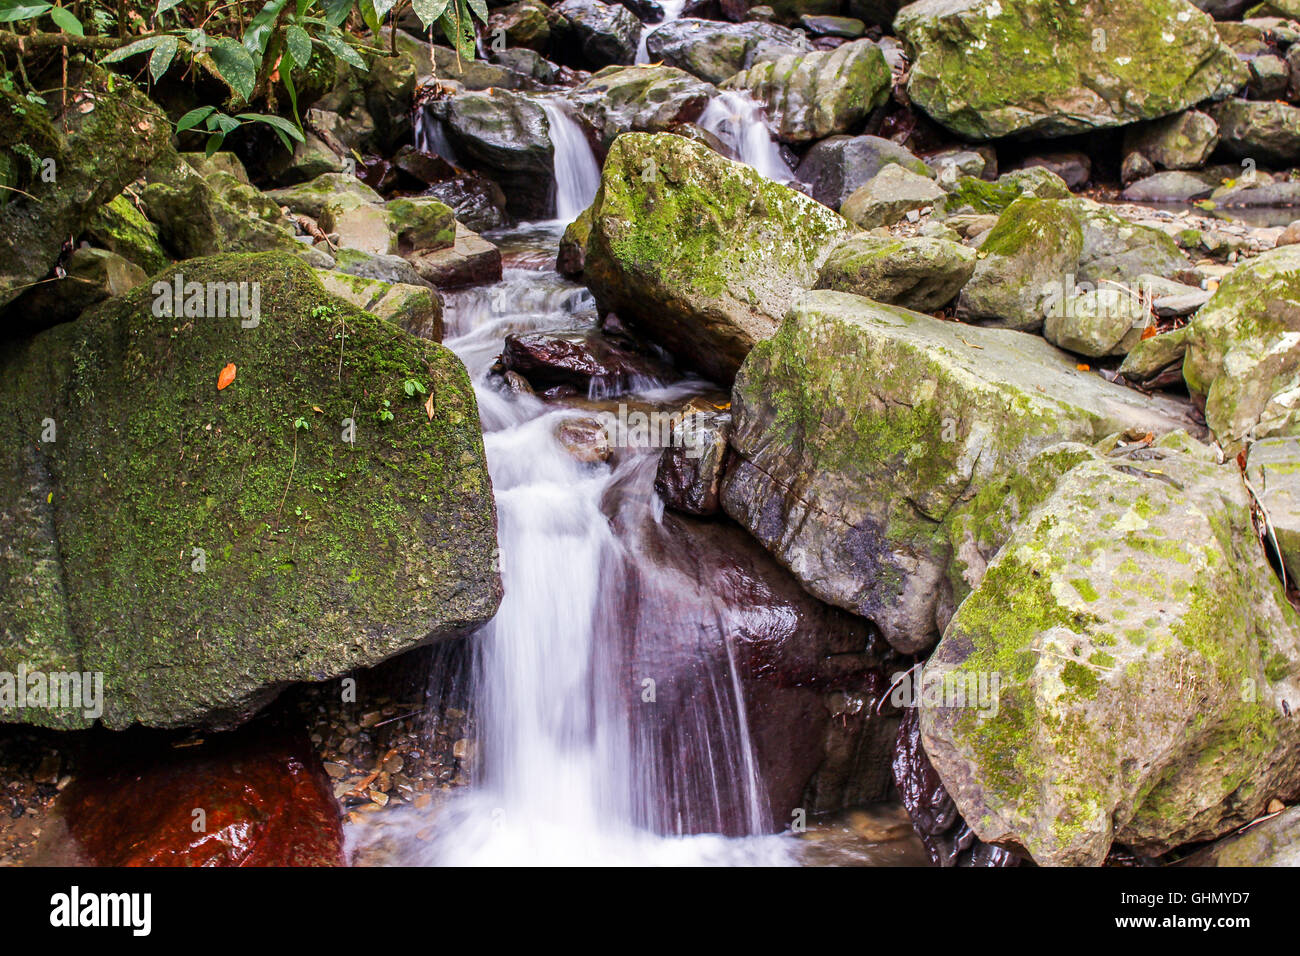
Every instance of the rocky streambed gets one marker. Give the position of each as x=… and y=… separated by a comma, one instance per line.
x=824, y=434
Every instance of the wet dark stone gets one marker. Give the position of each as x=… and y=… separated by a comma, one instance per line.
x=378, y=173
x=264, y=795
x=579, y=358
x=947, y=837
x=690, y=471
x=647, y=11
x=424, y=168
x=478, y=202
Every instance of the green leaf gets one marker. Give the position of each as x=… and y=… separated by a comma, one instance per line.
x=164, y=6
x=12, y=11
x=336, y=11
x=275, y=122
x=480, y=9
x=235, y=66
x=66, y=21
x=368, y=15
x=194, y=118
x=162, y=57
x=459, y=31
x=262, y=26
x=299, y=44
x=383, y=6
x=429, y=10
x=214, y=143
x=131, y=49
x=340, y=48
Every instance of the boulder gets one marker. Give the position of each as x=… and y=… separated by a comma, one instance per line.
x=809, y=96
x=642, y=99
x=506, y=136
x=859, y=427
x=1147, y=660
x=600, y=34
x=120, y=227
x=1171, y=186
x=471, y=260
x=1266, y=132
x=1097, y=323
x=1182, y=141
x=583, y=358
x=415, y=308
x=309, y=198
x=1273, y=470
x=889, y=196
x=1272, y=842
x=85, y=153
x=1073, y=167
x=705, y=255
x=1159, y=58
x=204, y=543
x=689, y=476
x=921, y=274
x=1157, y=360
x=528, y=23
x=715, y=51
x=834, y=167
x=974, y=195
x=89, y=277
x=1243, y=351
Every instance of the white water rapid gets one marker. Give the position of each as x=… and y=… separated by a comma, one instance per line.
x=672, y=11
x=577, y=176
x=735, y=118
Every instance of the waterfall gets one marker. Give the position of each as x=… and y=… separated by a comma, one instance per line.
x=431, y=136
x=736, y=119
x=672, y=11
x=567, y=776
x=577, y=175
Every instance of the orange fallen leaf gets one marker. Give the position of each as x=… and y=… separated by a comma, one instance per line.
x=226, y=377
x=428, y=406
x=1149, y=332
x=1083, y=367
x=1241, y=459
x=1212, y=285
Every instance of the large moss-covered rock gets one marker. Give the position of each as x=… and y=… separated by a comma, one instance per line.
x=1147, y=663
x=309, y=198
x=1243, y=351
x=716, y=51
x=641, y=99
x=1182, y=141
x=1273, y=469
x=122, y=228
x=1273, y=842
x=990, y=68
x=68, y=164
x=703, y=253
x=415, y=308
x=1267, y=132
x=809, y=96
x=859, y=428
x=919, y=273
x=202, y=546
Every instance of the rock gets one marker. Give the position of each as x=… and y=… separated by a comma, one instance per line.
x=810, y=96
x=1146, y=656
x=1182, y=141
x=1149, y=360
x=848, y=479
x=1161, y=58
x=505, y=135
x=1074, y=168
x=1135, y=167
x=122, y=228
x=584, y=438
x=477, y=203
x=572, y=255
x=716, y=51
x=389, y=269
x=309, y=198
x=1116, y=250
x=420, y=224
x=834, y=167
x=531, y=65
x=689, y=476
x=363, y=226
x=969, y=194
x=920, y=274
x=709, y=612
x=529, y=23
x=1172, y=186
x=583, y=358
x=1243, y=351
x=90, y=276
x=1097, y=323
x=705, y=256
x=1269, y=77
x=1290, y=235
x=1023, y=261
x=202, y=216
x=1261, y=194
x=95, y=147
x=471, y=261
x=643, y=99
x=889, y=196
x=181, y=508
x=951, y=164
x=414, y=308
x=264, y=800
x=1274, y=842
x=1273, y=470
x=602, y=33
x=311, y=158
x=830, y=26
x=1268, y=133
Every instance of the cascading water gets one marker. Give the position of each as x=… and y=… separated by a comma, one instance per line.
x=735, y=118
x=568, y=775
x=577, y=175
x=672, y=10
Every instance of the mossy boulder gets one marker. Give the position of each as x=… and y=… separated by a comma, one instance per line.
x=203, y=547
x=985, y=68
x=859, y=427
x=889, y=196
x=921, y=273
x=1182, y=141
x=1267, y=132
x=703, y=253
x=89, y=277
x=1243, y=351
x=415, y=308
x=809, y=96
x=1096, y=323
x=639, y=99
x=1151, y=357
x=970, y=194
x=309, y=198
x=716, y=51
x=1144, y=661
x=122, y=228
x=68, y=164
x=421, y=224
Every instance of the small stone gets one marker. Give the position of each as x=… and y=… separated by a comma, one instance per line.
x=1276, y=806
x=378, y=797
x=371, y=718
x=336, y=771
x=394, y=764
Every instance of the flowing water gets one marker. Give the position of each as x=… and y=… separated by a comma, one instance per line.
x=739, y=122
x=577, y=175
x=672, y=10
